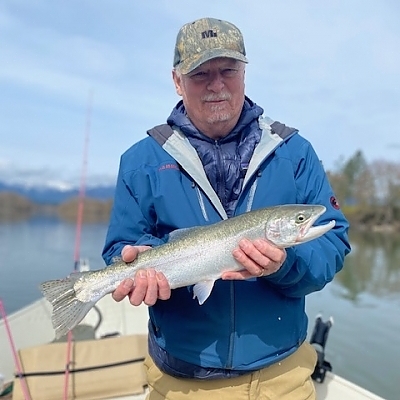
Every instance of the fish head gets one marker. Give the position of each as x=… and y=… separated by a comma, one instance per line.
x=290, y=225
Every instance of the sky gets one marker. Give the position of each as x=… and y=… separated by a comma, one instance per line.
x=103, y=68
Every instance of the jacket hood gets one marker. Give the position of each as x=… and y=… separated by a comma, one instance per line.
x=178, y=118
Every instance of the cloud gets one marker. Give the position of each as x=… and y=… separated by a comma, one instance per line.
x=330, y=69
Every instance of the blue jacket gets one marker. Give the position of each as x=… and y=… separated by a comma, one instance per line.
x=243, y=325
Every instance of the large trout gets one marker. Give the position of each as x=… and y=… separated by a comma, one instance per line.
x=194, y=256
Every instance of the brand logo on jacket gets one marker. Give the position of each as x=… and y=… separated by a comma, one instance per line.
x=334, y=202
x=168, y=166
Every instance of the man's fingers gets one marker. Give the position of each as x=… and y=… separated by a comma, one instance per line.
x=275, y=254
x=152, y=288
x=157, y=287
x=164, y=290
x=148, y=285
x=139, y=292
x=236, y=275
x=244, y=255
x=259, y=258
x=129, y=253
x=123, y=290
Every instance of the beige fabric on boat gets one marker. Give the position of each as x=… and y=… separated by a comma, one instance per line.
x=98, y=383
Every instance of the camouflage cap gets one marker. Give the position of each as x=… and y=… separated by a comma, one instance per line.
x=205, y=39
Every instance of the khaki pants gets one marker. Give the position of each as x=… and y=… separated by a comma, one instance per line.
x=289, y=379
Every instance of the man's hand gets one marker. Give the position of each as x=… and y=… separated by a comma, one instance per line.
x=146, y=286
x=259, y=258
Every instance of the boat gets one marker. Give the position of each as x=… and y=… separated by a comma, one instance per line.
x=106, y=329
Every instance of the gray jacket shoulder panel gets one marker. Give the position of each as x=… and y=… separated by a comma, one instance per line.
x=282, y=130
x=161, y=133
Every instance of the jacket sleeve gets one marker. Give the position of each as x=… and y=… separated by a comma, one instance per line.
x=310, y=266
x=128, y=224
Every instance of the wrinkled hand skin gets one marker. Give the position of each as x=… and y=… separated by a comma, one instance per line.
x=146, y=286
x=259, y=258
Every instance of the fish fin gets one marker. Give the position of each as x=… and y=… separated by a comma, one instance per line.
x=68, y=311
x=57, y=288
x=202, y=290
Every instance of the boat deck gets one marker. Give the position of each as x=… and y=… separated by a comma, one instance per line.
x=31, y=327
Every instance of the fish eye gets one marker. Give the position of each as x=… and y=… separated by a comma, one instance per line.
x=300, y=218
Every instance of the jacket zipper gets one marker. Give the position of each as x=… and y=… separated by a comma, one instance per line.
x=220, y=171
x=232, y=327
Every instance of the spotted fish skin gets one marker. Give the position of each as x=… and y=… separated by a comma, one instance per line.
x=194, y=256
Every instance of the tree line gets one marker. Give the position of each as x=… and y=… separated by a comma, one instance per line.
x=369, y=193
x=14, y=207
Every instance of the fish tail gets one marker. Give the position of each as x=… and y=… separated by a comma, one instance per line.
x=68, y=311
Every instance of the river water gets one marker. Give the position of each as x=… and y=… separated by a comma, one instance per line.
x=364, y=299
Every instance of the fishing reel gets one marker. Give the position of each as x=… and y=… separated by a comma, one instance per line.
x=318, y=341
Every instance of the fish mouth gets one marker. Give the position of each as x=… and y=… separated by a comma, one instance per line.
x=310, y=232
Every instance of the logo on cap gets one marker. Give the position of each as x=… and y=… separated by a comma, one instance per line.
x=208, y=34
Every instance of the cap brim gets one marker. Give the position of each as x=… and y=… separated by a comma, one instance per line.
x=192, y=63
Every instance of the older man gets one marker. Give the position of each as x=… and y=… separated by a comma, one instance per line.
x=218, y=157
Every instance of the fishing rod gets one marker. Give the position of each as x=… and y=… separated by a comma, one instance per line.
x=78, y=233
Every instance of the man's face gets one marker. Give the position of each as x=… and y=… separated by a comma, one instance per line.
x=213, y=93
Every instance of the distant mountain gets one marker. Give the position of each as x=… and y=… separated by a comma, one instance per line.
x=55, y=195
